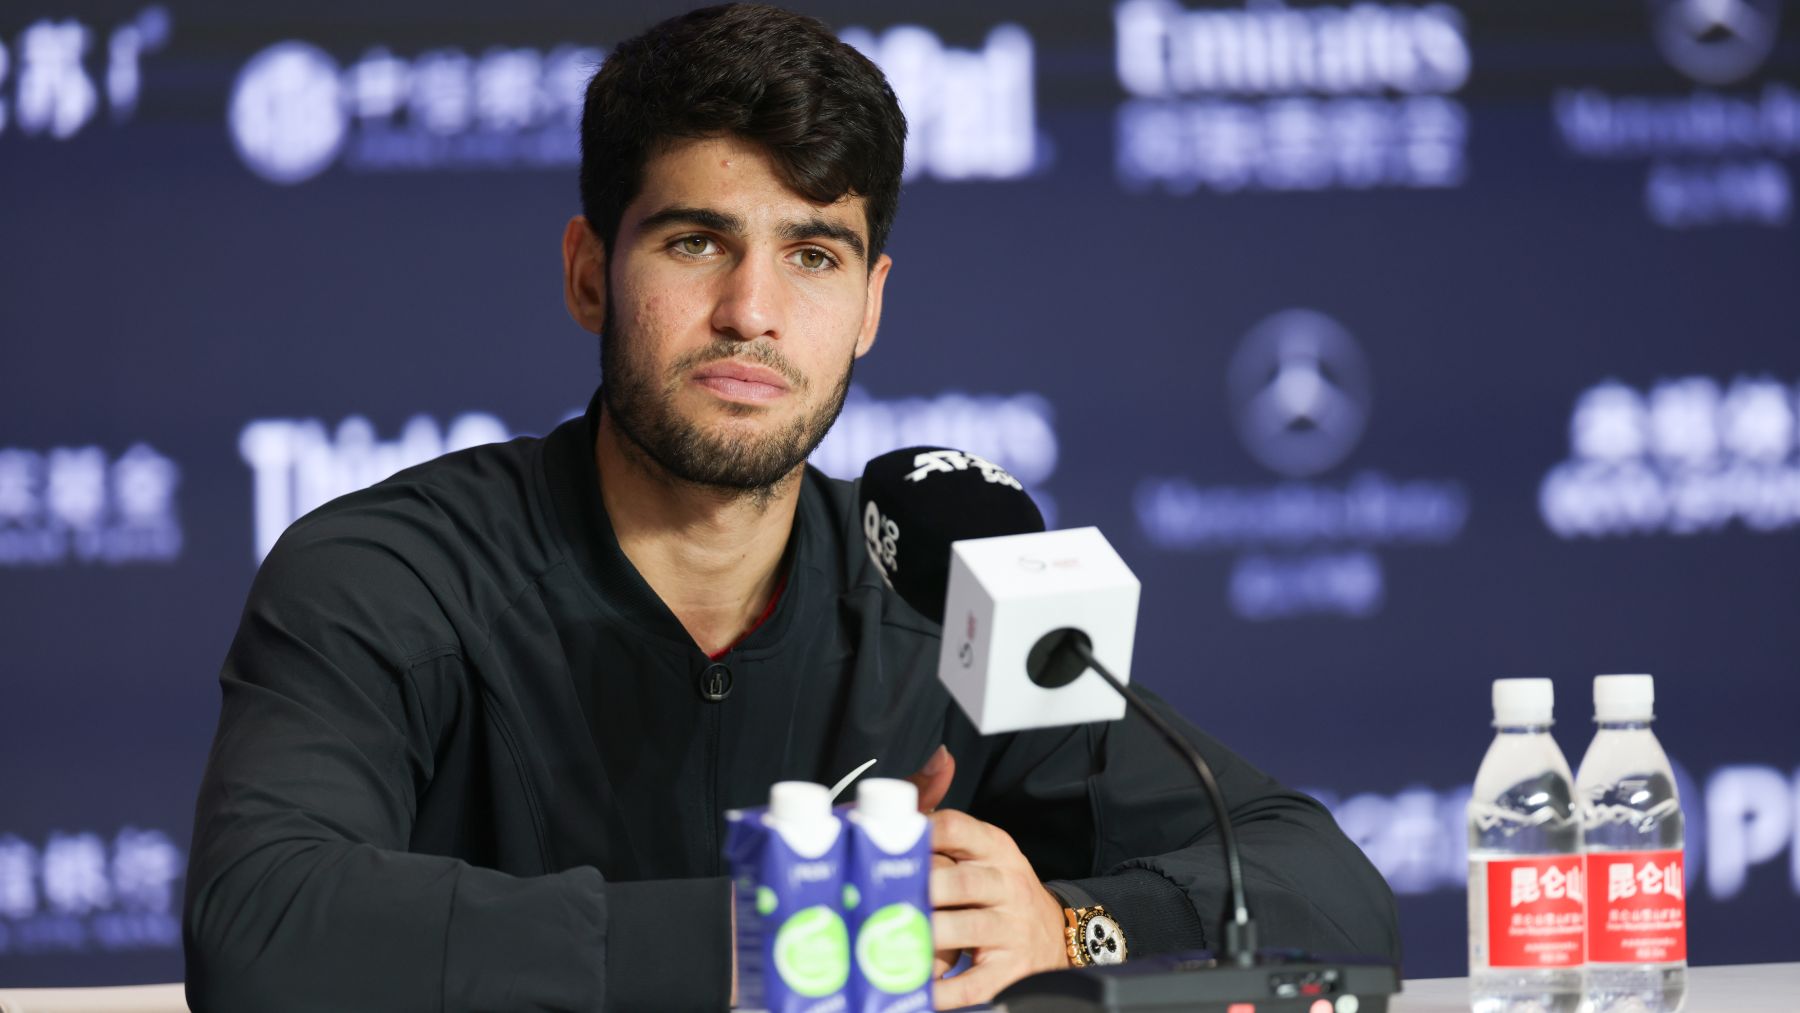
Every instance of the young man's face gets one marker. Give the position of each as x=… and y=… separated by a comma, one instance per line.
x=734, y=309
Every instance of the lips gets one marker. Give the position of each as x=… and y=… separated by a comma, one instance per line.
x=741, y=381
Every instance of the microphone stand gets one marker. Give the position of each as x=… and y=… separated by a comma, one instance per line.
x=1240, y=931
x=1246, y=980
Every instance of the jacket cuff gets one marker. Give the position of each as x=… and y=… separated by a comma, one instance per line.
x=668, y=944
x=1157, y=915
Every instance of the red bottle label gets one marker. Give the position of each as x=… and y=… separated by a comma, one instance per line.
x=1639, y=913
x=1535, y=912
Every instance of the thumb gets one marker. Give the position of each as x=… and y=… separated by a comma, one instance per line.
x=933, y=779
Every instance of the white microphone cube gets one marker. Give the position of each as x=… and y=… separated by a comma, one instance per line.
x=1008, y=592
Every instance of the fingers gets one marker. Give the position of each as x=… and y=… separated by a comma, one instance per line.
x=941, y=962
x=972, y=987
x=972, y=928
x=966, y=839
x=933, y=779
x=967, y=884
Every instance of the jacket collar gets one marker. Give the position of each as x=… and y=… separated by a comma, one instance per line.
x=573, y=479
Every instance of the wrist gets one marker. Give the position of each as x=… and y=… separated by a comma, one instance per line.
x=1058, y=953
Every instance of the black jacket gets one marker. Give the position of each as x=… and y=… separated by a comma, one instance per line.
x=464, y=762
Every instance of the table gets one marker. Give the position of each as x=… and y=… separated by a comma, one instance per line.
x=1737, y=988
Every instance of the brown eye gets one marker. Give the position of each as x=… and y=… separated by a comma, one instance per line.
x=695, y=244
x=814, y=260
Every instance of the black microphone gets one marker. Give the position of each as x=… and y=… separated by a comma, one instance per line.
x=915, y=504
x=916, y=501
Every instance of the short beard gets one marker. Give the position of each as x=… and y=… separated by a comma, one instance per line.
x=644, y=410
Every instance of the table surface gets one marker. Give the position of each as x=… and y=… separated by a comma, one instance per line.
x=1738, y=988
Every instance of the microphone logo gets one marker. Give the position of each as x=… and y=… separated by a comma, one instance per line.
x=966, y=653
x=883, y=538
x=934, y=462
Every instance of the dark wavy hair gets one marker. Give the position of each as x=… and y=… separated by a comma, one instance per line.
x=783, y=80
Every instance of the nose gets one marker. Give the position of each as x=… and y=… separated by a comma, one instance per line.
x=750, y=300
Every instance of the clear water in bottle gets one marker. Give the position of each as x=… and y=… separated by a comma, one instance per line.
x=1526, y=880
x=1631, y=819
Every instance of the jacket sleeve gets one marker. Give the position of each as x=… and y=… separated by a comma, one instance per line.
x=1110, y=812
x=301, y=893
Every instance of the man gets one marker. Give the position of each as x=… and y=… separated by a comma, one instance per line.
x=481, y=721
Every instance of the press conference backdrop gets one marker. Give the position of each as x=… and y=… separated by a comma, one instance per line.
x=1396, y=346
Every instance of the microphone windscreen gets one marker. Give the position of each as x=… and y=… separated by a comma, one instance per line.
x=917, y=501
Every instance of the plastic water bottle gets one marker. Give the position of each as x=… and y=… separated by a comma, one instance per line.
x=1527, y=902
x=1631, y=819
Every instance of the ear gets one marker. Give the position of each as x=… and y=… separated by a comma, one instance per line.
x=872, y=305
x=584, y=275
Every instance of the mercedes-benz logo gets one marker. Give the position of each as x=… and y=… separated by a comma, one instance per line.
x=1300, y=392
x=1716, y=41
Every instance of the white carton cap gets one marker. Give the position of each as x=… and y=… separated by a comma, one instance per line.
x=886, y=798
x=1624, y=697
x=1523, y=701
x=799, y=802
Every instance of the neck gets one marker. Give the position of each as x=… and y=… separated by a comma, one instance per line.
x=712, y=555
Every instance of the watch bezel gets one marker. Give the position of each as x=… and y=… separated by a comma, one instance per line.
x=1088, y=917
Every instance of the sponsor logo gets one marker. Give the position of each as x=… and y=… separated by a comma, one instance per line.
x=970, y=113
x=1016, y=433
x=79, y=892
x=56, y=92
x=1713, y=156
x=1744, y=823
x=1716, y=41
x=79, y=504
x=1269, y=97
x=1300, y=394
x=300, y=464
x=294, y=111
x=1689, y=456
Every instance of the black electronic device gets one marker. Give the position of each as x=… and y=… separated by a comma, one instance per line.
x=983, y=501
x=1278, y=982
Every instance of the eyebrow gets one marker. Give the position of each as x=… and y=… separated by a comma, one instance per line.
x=733, y=225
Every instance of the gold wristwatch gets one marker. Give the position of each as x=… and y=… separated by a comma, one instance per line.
x=1093, y=936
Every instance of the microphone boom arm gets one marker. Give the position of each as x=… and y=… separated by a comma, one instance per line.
x=1240, y=931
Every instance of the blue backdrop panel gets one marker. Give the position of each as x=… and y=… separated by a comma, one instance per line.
x=1397, y=347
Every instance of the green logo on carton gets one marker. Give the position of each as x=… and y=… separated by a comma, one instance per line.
x=893, y=948
x=812, y=952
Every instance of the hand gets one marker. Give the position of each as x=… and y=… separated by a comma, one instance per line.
x=989, y=900
x=933, y=779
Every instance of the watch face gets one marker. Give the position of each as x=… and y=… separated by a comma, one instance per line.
x=1104, y=943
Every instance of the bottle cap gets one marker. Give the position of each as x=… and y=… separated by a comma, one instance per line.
x=887, y=798
x=1523, y=701
x=799, y=802
x=1624, y=697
